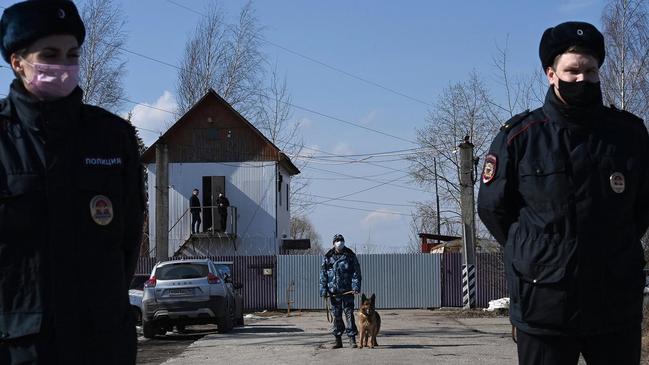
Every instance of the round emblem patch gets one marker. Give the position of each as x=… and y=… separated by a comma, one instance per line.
x=489, y=170
x=101, y=210
x=61, y=13
x=618, y=183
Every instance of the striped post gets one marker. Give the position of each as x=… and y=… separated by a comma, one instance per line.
x=468, y=286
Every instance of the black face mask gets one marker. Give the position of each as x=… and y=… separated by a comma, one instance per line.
x=581, y=93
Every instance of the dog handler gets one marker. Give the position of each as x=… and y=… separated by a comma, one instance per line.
x=340, y=280
x=565, y=190
x=71, y=201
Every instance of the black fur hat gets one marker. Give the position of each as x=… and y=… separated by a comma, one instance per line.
x=27, y=21
x=558, y=39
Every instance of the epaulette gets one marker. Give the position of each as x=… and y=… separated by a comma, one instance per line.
x=516, y=119
x=626, y=114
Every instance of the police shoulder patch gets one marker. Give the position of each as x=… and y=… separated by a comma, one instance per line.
x=516, y=119
x=625, y=114
x=489, y=169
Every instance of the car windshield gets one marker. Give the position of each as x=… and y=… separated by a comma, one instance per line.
x=181, y=271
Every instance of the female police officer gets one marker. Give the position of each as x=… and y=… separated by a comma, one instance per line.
x=71, y=201
x=565, y=190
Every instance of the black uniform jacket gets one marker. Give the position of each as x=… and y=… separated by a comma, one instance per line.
x=194, y=204
x=566, y=193
x=223, y=204
x=71, y=211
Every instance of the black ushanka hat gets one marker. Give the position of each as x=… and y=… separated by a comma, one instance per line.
x=27, y=21
x=557, y=40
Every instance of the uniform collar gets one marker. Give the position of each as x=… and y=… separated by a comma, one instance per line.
x=562, y=113
x=60, y=114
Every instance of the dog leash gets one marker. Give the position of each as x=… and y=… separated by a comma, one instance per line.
x=330, y=318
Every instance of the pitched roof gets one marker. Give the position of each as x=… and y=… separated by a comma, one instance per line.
x=284, y=160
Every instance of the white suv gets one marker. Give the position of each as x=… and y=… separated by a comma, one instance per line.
x=186, y=292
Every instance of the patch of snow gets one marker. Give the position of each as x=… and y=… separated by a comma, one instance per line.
x=502, y=303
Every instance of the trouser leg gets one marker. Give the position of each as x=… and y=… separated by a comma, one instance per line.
x=224, y=220
x=338, y=326
x=547, y=350
x=196, y=222
x=620, y=348
x=28, y=350
x=348, y=307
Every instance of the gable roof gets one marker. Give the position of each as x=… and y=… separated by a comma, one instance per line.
x=283, y=159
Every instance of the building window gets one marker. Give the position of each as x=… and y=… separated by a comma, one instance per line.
x=287, y=200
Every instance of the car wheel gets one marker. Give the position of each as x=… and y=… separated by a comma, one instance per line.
x=226, y=323
x=149, y=330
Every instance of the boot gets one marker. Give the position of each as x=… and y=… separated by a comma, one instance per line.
x=338, y=344
x=352, y=342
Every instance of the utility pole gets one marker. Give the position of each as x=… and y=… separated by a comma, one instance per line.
x=161, y=202
x=468, y=223
x=439, y=225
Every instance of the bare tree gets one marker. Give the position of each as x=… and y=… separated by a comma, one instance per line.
x=225, y=57
x=302, y=228
x=423, y=220
x=624, y=75
x=273, y=119
x=102, y=67
x=463, y=109
x=521, y=92
x=625, y=72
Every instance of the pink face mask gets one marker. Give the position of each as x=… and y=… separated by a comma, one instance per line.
x=53, y=81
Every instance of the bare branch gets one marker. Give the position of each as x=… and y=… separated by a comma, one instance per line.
x=102, y=68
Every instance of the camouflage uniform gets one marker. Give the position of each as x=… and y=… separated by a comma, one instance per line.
x=340, y=273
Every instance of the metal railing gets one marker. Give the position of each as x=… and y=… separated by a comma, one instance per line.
x=231, y=224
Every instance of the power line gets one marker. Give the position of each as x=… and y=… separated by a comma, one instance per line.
x=384, y=153
x=369, y=163
x=321, y=63
x=309, y=110
x=371, y=180
x=361, y=201
x=370, y=82
x=366, y=210
x=358, y=192
x=349, y=178
x=312, y=111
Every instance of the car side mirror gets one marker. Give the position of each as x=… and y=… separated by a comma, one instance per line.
x=237, y=286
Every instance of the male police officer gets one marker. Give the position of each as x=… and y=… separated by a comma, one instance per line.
x=340, y=280
x=565, y=190
x=71, y=201
x=195, y=210
x=223, y=203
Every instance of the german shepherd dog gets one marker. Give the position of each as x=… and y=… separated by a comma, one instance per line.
x=370, y=321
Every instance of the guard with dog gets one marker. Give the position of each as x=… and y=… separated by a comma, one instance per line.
x=340, y=281
x=565, y=191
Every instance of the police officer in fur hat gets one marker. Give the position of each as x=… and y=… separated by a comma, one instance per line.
x=71, y=201
x=565, y=191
